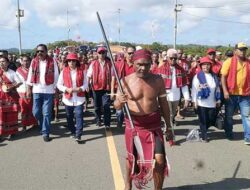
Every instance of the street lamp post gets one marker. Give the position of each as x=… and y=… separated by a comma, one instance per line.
x=19, y=13
x=176, y=10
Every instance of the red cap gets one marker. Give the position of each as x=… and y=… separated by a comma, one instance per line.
x=141, y=54
x=205, y=60
x=211, y=50
x=101, y=49
x=72, y=56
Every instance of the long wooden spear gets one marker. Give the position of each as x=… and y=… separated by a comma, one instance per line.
x=137, y=141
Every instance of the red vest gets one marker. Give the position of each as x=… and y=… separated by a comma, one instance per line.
x=101, y=77
x=120, y=67
x=67, y=81
x=49, y=73
x=123, y=69
x=232, y=77
x=165, y=72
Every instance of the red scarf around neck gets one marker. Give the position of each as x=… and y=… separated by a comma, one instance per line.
x=23, y=72
x=67, y=81
x=4, y=79
x=11, y=96
x=166, y=73
x=49, y=73
x=232, y=77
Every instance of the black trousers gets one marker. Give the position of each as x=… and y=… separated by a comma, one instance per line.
x=102, y=99
x=207, y=117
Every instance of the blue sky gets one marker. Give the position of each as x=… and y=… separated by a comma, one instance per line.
x=213, y=22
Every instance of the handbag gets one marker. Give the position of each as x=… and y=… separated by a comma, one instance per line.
x=193, y=136
x=220, y=120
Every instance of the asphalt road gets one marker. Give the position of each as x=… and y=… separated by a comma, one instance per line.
x=99, y=161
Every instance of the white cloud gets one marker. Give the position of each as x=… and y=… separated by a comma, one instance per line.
x=245, y=18
x=152, y=27
x=159, y=13
x=54, y=12
x=7, y=14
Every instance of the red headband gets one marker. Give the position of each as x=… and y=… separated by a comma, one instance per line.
x=141, y=54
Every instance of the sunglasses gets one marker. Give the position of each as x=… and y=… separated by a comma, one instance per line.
x=207, y=64
x=40, y=51
x=211, y=53
x=130, y=53
x=242, y=49
x=173, y=58
x=102, y=52
x=71, y=60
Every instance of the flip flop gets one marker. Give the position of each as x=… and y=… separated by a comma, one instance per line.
x=180, y=117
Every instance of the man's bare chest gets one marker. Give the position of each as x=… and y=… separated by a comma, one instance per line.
x=140, y=91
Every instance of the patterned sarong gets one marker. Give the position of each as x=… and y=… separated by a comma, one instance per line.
x=27, y=117
x=147, y=128
x=8, y=113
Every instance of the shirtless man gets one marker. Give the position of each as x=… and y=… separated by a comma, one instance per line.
x=145, y=94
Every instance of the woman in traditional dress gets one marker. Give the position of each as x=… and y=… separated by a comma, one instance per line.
x=9, y=81
x=26, y=103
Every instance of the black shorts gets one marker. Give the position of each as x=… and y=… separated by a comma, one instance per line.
x=159, y=146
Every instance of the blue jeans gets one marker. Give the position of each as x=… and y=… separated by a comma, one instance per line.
x=42, y=110
x=75, y=129
x=120, y=117
x=101, y=98
x=230, y=106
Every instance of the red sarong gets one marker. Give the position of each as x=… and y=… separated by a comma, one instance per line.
x=8, y=109
x=147, y=128
x=27, y=117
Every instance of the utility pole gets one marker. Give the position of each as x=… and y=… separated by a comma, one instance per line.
x=68, y=25
x=19, y=13
x=119, y=29
x=152, y=30
x=176, y=10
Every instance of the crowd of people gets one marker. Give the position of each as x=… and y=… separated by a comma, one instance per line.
x=156, y=85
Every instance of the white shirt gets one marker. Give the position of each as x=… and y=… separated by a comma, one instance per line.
x=41, y=86
x=22, y=88
x=12, y=76
x=75, y=100
x=90, y=69
x=174, y=94
x=209, y=102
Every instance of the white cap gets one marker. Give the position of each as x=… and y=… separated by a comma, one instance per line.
x=171, y=52
x=138, y=48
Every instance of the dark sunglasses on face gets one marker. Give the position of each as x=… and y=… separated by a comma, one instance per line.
x=102, y=52
x=211, y=54
x=130, y=53
x=173, y=58
x=242, y=49
x=71, y=60
x=40, y=51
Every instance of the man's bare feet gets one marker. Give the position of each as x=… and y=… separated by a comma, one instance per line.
x=128, y=186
